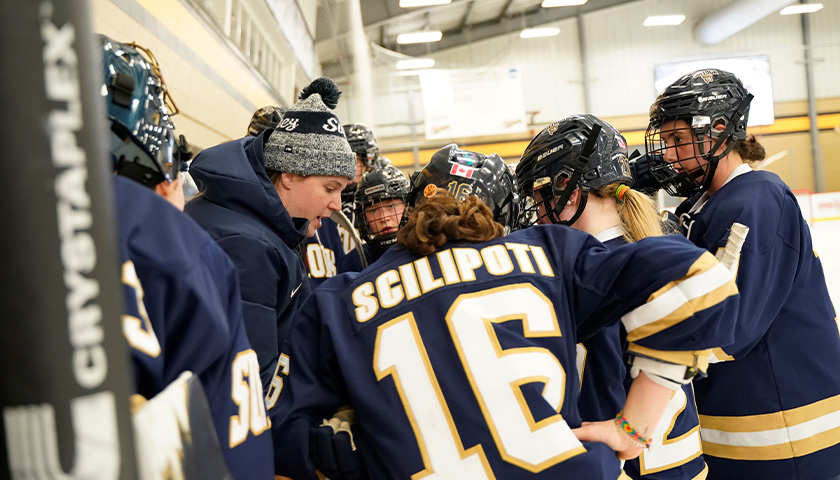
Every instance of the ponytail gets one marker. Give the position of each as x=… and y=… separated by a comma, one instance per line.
x=637, y=211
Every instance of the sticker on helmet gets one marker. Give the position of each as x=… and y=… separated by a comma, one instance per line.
x=374, y=189
x=698, y=121
x=462, y=170
x=706, y=75
x=430, y=190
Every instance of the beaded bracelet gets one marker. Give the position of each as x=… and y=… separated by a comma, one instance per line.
x=625, y=427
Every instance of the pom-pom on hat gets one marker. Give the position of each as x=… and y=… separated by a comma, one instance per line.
x=309, y=139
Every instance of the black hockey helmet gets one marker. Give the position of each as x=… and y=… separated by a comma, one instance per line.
x=265, y=117
x=465, y=173
x=362, y=142
x=375, y=187
x=565, y=156
x=715, y=106
x=143, y=143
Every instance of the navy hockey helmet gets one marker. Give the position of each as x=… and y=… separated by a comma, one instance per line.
x=143, y=143
x=375, y=199
x=579, y=151
x=362, y=142
x=465, y=173
x=715, y=107
x=265, y=117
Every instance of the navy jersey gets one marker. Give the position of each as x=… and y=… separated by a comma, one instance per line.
x=183, y=312
x=462, y=362
x=773, y=409
x=600, y=365
x=675, y=452
x=323, y=252
x=353, y=262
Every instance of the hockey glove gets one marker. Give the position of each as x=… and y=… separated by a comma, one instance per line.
x=332, y=449
x=643, y=180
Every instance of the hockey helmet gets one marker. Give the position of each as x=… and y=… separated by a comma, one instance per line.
x=565, y=156
x=376, y=194
x=465, y=173
x=362, y=142
x=715, y=107
x=143, y=143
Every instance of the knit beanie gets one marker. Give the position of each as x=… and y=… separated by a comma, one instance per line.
x=309, y=139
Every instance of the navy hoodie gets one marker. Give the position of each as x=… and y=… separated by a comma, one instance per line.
x=242, y=211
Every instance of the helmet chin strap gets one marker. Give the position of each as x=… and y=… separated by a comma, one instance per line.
x=580, y=165
x=721, y=138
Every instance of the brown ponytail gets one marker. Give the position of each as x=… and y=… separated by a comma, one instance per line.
x=442, y=218
x=750, y=150
x=636, y=210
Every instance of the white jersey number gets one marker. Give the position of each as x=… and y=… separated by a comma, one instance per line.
x=495, y=377
x=665, y=453
x=138, y=331
x=246, y=391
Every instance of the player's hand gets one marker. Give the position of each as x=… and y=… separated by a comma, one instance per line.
x=332, y=449
x=607, y=432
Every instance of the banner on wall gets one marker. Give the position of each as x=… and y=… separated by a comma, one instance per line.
x=473, y=102
x=754, y=73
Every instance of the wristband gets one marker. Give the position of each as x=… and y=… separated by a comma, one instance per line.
x=625, y=427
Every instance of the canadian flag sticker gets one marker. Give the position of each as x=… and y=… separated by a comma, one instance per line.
x=462, y=170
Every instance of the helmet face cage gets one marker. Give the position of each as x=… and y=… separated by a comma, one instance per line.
x=464, y=173
x=549, y=162
x=377, y=200
x=694, y=123
x=143, y=142
x=362, y=142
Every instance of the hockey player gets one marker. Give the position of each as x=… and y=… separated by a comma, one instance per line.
x=183, y=311
x=769, y=409
x=261, y=196
x=364, y=145
x=456, y=349
x=601, y=204
x=380, y=203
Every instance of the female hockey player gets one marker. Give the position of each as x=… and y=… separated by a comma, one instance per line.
x=771, y=407
x=261, y=196
x=379, y=206
x=182, y=305
x=601, y=203
x=457, y=348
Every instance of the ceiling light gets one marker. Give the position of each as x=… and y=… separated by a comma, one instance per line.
x=415, y=63
x=801, y=8
x=561, y=3
x=422, y=3
x=660, y=20
x=539, y=32
x=419, y=37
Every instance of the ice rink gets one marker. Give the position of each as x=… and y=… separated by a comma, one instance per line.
x=827, y=246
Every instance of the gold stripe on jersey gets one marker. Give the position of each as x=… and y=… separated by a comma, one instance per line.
x=690, y=358
x=706, y=284
x=773, y=436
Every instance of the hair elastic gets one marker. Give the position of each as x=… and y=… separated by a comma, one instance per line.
x=625, y=427
x=620, y=191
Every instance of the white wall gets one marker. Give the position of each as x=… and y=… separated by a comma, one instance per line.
x=621, y=55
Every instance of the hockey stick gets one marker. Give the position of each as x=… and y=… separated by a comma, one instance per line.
x=340, y=218
x=730, y=254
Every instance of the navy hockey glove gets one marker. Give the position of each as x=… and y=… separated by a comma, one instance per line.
x=332, y=450
x=643, y=180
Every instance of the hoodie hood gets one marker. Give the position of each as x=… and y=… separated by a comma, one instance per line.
x=232, y=175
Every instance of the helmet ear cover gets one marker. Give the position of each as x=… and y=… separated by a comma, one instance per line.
x=578, y=164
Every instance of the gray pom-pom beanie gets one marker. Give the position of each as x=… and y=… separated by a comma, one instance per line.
x=309, y=139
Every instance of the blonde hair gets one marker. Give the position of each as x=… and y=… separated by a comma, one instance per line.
x=441, y=219
x=637, y=211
